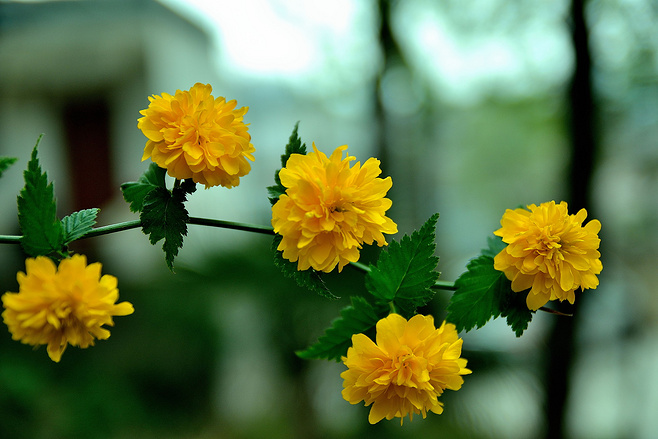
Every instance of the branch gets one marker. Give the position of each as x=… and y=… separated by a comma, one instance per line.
x=127, y=225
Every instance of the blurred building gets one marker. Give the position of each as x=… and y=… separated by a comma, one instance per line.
x=79, y=72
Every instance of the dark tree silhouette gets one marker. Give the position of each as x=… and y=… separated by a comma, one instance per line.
x=581, y=128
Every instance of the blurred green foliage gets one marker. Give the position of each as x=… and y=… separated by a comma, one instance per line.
x=159, y=374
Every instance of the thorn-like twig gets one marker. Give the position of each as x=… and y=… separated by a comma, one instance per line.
x=552, y=311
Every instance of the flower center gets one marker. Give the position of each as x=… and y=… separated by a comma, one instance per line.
x=409, y=368
x=547, y=242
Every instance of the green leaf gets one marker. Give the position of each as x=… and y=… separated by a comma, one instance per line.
x=516, y=311
x=134, y=192
x=406, y=272
x=484, y=293
x=6, y=162
x=275, y=191
x=187, y=186
x=42, y=231
x=78, y=224
x=309, y=279
x=357, y=318
x=478, y=296
x=164, y=217
x=294, y=146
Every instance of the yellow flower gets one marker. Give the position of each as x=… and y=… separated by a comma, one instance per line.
x=407, y=370
x=194, y=135
x=329, y=209
x=549, y=251
x=62, y=306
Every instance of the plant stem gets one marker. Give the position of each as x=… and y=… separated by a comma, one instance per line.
x=552, y=311
x=119, y=227
x=392, y=307
x=444, y=285
x=127, y=225
x=10, y=239
x=360, y=266
x=265, y=230
x=231, y=225
x=193, y=220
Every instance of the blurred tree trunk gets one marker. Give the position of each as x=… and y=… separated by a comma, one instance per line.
x=389, y=50
x=581, y=117
x=582, y=114
x=396, y=146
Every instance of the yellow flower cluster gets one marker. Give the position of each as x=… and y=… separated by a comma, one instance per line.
x=194, y=135
x=549, y=252
x=62, y=306
x=406, y=371
x=330, y=209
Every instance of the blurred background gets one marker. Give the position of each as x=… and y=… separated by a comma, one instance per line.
x=472, y=106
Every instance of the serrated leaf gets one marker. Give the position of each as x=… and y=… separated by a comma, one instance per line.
x=275, y=191
x=513, y=305
x=294, y=146
x=484, y=293
x=309, y=279
x=187, y=186
x=357, y=318
x=5, y=163
x=516, y=312
x=43, y=233
x=406, y=271
x=478, y=296
x=78, y=224
x=134, y=192
x=164, y=217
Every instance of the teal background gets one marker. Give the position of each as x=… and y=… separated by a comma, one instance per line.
x=468, y=106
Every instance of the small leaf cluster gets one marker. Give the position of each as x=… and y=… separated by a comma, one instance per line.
x=5, y=163
x=294, y=146
x=483, y=293
x=405, y=274
x=161, y=211
x=43, y=233
x=359, y=317
x=400, y=281
x=309, y=279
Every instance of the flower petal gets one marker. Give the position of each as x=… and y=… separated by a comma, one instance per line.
x=408, y=375
x=549, y=251
x=58, y=306
x=210, y=132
